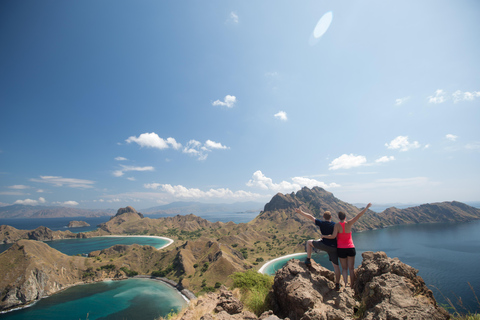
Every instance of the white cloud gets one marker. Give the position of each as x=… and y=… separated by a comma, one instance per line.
x=121, y=172
x=68, y=182
x=195, y=148
x=30, y=202
x=347, y=161
x=180, y=191
x=261, y=181
x=152, y=140
x=282, y=115
x=120, y=159
x=473, y=146
x=67, y=203
x=19, y=187
x=400, y=101
x=451, y=137
x=402, y=143
x=439, y=97
x=209, y=144
x=131, y=179
x=233, y=17
x=385, y=159
x=465, y=96
x=228, y=102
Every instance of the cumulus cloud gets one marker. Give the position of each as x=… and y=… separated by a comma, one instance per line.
x=439, y=97
x=197, y=149
x=152, y=140
x=30, y=202
x=282, y=115
x=179, y=191
x=400, y=101
x=68, y=182
x=385, y=159
x=229, y=101
x=465, y=96
x=401, y=143
x=261, y=181
x=347, y=161
x=451, y=137
x=121, y=172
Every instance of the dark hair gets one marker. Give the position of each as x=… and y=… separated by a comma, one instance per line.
x=341, y=215
x=327, y=215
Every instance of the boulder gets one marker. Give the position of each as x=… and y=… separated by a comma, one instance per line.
x=390, y=289
x=308, y=293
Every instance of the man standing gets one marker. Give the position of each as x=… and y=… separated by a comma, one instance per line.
x=327, y=245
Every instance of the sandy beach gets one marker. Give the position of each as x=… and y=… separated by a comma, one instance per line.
x=170, y=241
x=261, y=270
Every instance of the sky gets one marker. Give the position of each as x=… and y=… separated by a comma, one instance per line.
x=112, y=103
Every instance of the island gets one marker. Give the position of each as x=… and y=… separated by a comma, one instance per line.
x=77, y=224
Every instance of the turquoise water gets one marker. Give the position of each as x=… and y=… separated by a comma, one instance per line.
x=127, y=299
x=446, y=255
x=84, y=246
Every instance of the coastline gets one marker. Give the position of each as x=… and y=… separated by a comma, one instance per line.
x=170, y=241
x=261, y=270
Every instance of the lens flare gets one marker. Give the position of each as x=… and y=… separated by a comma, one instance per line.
x=322, y=26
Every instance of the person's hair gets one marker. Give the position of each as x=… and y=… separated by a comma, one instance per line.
x=327, y=215
x=341, y=215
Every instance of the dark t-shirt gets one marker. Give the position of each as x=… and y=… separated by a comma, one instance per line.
x=326, y=228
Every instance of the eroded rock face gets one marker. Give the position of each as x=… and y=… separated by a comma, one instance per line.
x=390, y=289
x=308, y=293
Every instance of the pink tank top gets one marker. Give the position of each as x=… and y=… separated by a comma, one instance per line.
x=344, y=240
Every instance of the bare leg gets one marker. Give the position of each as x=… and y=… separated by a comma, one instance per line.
x=336, y=268
x=309, y=248
x=343, y=262
x=351, y=268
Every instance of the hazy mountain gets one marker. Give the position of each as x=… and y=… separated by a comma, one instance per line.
x=200, y=207
x=25, y=211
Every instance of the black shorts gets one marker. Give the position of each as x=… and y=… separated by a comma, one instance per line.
x=332, y=251
x=346, y=252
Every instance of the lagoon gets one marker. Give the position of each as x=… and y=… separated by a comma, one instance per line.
x=139, y=299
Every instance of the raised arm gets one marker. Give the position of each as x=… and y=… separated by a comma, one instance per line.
x=352, y=221
x=306, y=215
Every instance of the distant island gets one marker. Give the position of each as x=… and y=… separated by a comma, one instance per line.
x=77, y=224
x=204, y=254
x=20, y=211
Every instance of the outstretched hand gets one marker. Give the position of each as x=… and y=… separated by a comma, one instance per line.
x=369, y=205
x=297, y=210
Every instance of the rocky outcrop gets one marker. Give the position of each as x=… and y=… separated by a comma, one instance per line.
x=10, y=234
x=309, y=293
x=390, y=289
x=77, y=224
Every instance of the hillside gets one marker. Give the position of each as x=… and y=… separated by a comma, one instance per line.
x=20, y=211
x=205, y=254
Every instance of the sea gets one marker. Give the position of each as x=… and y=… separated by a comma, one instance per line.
x=447, y=256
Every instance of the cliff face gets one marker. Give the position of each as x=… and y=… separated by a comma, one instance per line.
x=31, y=270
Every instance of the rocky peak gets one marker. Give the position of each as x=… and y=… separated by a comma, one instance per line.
x=128, y=209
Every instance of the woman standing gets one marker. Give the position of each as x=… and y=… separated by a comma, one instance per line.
x=345, y=247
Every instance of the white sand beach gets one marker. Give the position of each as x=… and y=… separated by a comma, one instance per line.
x=261, y=270
x=170, y=241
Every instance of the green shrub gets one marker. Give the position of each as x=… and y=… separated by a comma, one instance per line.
x=128, y=272
x=255, y=288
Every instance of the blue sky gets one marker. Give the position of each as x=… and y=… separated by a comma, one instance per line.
x=112, y=103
